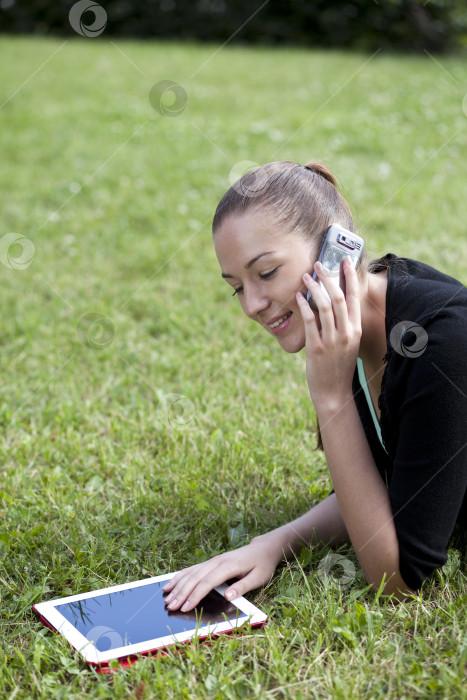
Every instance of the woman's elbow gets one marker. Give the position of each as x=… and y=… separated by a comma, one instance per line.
x=393, y=585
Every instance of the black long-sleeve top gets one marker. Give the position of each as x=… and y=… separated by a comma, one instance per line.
x=423, y=406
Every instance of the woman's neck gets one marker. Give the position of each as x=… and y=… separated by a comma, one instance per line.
x=373, y=305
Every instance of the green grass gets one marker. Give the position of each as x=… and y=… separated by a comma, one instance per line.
x=105, y=476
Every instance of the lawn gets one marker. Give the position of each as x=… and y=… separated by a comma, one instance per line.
x=146, y=424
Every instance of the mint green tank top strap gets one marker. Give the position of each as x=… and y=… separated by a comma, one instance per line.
x=366, y=391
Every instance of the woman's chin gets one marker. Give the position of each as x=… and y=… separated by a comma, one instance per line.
x=292, y=345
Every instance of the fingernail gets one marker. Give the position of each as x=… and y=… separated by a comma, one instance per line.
x=173, y=603
x=231, y=594
x=306, y=276
x=169, y=597
x=186, y=606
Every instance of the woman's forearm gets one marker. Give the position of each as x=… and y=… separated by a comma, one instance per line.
x=323, y=524
x=361, y=494
x=253, y=565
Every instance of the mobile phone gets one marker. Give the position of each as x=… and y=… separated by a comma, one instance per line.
x=337, y=243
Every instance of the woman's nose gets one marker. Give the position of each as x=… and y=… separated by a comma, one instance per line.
x=254, y=301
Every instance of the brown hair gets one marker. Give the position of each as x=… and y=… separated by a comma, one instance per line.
x=303, y=198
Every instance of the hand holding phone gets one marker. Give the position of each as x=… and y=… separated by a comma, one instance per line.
x=338, y=243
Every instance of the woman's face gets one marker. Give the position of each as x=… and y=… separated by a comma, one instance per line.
x=266, y=266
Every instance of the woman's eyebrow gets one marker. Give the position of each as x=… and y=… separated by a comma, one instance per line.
x=251, y=262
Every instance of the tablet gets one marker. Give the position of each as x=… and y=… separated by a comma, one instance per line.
x=121, y=622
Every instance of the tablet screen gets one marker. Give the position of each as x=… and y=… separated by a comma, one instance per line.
x=120, y=618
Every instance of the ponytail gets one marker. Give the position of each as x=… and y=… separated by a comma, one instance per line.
x=322, y=170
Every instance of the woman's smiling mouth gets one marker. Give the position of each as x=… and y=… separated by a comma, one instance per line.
x=280, y=323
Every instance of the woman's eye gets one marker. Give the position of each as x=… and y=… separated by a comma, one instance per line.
x=268, y=275
x=265, y=276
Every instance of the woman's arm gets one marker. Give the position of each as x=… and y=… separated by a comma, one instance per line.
x=332, y=348
x=362, y=496
x=255, y=563
x=323, y=524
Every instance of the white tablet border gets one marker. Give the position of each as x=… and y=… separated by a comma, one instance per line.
x=49, y=612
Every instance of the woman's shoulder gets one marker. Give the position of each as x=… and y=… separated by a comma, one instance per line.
x=424, y=307
x=407, y=269
x=426, y=330
x=419, y=291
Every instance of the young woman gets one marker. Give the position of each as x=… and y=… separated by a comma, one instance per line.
x=386, y=366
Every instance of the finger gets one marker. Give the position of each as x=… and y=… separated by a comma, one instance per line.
x=330, y=281
x=310, y=319
x=338, y=300
x=325, y=311
x=319, y=297
x=198, y=582
x=221, y=574
x=173, y=581
x=352, y=290
x=254, y=579
x=176, y=578
x=188, y=581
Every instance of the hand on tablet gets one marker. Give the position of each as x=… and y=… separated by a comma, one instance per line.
x=253, y=565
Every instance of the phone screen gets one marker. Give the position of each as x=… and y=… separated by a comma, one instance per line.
x=332, y=257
